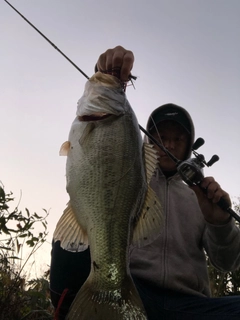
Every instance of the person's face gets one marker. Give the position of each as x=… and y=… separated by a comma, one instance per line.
x=175, y=139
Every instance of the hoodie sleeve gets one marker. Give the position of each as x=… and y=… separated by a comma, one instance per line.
x=222, y=244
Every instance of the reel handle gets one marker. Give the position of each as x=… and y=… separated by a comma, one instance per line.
x=214, y=159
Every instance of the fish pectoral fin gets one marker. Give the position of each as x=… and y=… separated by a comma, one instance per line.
x=65, y=147
x=69, y=232
x=115, y=303
x=150, y=159
x=148, y=223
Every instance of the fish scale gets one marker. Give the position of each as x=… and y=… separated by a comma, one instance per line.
x=108, y=186
x=114, y=175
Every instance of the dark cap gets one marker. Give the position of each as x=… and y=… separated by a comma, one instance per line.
x=170, y=112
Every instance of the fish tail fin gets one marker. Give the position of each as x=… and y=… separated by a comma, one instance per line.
x=96, y=304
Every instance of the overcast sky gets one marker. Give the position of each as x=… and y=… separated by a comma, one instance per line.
x=186, y=52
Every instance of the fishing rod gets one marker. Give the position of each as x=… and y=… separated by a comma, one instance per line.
x=190, y=170
x=63, y=54
x=51, y=43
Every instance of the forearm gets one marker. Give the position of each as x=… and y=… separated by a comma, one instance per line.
x=222, y=243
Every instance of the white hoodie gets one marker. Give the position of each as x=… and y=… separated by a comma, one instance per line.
x=176, y=259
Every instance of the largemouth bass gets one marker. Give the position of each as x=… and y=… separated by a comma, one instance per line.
x=111, y=204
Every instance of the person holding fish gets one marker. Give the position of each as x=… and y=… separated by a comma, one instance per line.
x=166, y=258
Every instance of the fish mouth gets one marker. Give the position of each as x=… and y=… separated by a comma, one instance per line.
x=94, y=117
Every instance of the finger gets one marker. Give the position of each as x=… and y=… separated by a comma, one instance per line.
x=205, y=190
x=105, y=60
x=216, y=196
x=209, y=186
x=122, y=63
x=117, y=61
x=219, y=194
x=206, y=181
x=114, y=62
x=127, y=65
x=213, y=190
x=101, y=63
x=113, y=58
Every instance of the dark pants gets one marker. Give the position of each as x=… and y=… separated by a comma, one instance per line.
x=70, y=270
x=165, y=304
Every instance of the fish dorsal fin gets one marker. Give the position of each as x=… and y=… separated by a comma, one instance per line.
x=150, y=159
x=148, y=224
x=150, y=220
x=65, y=147
x=69, y=232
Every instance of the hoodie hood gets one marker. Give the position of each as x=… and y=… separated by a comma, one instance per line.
x=176, y=113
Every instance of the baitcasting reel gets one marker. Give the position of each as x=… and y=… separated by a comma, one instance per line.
x=191, y=170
